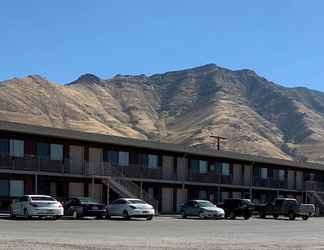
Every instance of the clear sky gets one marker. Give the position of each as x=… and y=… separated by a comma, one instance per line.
x=282, y=40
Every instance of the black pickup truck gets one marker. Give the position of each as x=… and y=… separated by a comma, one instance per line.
x=285, y=207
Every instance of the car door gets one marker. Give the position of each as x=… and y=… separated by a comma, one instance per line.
x=114, y=207
x=23, y=203
x=195, y=208
x=17, y=207
x=188, y=208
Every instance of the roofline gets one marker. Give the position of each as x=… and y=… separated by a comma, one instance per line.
x=168, y=147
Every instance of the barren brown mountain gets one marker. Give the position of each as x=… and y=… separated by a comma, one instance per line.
x=188, y=106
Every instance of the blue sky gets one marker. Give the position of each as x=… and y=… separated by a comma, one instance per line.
x=281, y=40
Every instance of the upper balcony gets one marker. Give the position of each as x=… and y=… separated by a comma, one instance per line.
x=269, y=182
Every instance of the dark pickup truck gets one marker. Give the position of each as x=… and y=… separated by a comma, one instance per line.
x=286, y=207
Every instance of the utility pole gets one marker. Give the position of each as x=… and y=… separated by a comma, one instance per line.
x=219, y=138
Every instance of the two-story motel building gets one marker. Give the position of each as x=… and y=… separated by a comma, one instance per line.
x=66, y=163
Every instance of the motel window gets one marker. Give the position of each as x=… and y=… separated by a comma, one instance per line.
x=198, y=166
x=43, y=151
x=264, y=173
x=195, y=166
x=111, y=156
x=152, y=161
x=4, y=188
x=203, y=167
x=202, y=195
x=226, y=169
x=123, y=158
x=17, y=148
x=4, y=147
x=282, y=174
x=56, y=152
x=16, y=188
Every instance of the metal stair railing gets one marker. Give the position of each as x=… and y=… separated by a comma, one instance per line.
x=119, y=176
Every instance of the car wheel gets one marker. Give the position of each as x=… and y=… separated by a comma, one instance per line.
x=183, y=215
x=149, y=218
x=291, y=215
x=201, y=215
x=305, y=217
x=56, y=217
x=12, y=215
x=75, y=215
x=232, y=215
x=275, y=216
x=26, y=214
x=247, y=216
x=126, y=215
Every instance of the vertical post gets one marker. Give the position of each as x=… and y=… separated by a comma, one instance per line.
x=36, y=184
x=251, y=181
x=141, y=186
x=92, y=182
x=218, y=194
x=218, y=140
x=108, y=193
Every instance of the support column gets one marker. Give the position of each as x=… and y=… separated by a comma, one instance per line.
x=36, y=184
x=108, y=193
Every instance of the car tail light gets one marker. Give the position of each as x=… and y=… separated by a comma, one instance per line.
x=60, y=204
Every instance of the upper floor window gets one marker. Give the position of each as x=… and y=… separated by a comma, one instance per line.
x=198, y=166
x=282, y=174
x=17, y=148
x=123, y=158
x=264, y=173
x=43, y=151
x=226, y=169
x=4, y=147
x=111, y=156
x=46, y=151
x=152, y=161
x=56, y=152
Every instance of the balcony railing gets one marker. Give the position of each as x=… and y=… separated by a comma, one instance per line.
x=269, y=182
x=314, y=186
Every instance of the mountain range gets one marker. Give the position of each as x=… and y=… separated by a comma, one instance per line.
x=191, y=106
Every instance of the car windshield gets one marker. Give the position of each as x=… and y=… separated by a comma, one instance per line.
x=205, y=204
x=86, y=200
x=42, y=198
x=136, y=202
x=246, y=202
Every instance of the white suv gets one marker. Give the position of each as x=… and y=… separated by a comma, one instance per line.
x=131, y=208
x=36, y=205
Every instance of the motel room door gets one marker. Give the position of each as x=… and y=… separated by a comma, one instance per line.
x=76, y=159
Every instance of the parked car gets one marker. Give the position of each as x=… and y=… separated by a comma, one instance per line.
x=238, y=208
x=29, y=206
x=286, y=207
x=201, y=208
x=84, y=206
x=131, y=208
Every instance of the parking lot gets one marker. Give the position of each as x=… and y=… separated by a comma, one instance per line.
x=162, y=233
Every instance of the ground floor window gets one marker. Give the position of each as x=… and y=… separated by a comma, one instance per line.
x=11, y=188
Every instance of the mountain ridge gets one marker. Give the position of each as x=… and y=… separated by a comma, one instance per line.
x=188, y=106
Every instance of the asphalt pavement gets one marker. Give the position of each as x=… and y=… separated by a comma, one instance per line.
x=162, y=233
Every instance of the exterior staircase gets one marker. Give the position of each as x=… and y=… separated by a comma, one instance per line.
x=317, y=199
x=116, y=180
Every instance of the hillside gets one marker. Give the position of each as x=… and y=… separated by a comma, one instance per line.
x=189, y=106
